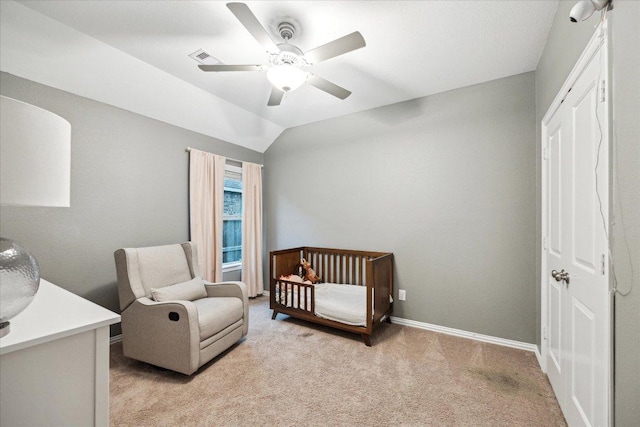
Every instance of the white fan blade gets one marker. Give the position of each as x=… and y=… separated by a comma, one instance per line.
x=327, y=86
x=335, y=48
x=251, y=23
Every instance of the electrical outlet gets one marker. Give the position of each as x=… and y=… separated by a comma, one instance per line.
x=402, y=295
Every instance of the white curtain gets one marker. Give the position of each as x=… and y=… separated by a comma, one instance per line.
x=252, y=228
x=206, y=200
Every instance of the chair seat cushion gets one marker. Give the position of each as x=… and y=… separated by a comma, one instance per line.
x=215, y=314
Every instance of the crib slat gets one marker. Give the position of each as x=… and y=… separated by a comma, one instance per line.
x=345, y=269
x=313, y=300
x=314, y=262
x=345, y=263
x=353, y=270
x=334, y=276
x=325, y=270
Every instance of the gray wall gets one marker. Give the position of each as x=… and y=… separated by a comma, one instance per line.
x=446, y=183
x=129, y=188
x=564, y=45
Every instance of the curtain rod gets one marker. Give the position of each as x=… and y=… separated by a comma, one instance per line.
x=188, y=149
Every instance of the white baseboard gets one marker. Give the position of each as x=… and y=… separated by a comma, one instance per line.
x=539, y=357
x=466, y=334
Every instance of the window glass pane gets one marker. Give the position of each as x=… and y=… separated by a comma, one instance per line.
x=232, y=221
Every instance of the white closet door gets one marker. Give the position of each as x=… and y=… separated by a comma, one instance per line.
x=577, y=211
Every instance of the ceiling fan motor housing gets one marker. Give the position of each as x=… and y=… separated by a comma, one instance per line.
x=288, y=54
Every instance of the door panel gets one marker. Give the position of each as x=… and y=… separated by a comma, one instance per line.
x=555, y=192
x=583, y=362
x=555, y=324
x=584, y=179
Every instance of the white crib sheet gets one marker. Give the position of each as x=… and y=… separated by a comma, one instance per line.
x=343, y=303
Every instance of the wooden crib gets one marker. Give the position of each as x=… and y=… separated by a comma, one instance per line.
x=359, y=268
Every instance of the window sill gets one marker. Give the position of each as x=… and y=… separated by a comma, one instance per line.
x=231, y=266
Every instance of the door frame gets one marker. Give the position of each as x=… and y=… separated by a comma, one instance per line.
x=599, y=42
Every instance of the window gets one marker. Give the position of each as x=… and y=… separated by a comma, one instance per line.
x=232, y=219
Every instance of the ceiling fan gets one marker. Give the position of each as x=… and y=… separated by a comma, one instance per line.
x=286, y=65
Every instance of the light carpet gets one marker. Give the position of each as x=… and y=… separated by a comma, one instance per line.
x=288, y=372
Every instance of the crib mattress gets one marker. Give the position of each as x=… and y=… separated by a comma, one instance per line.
x=341, y=303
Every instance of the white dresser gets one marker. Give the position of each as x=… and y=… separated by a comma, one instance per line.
x=54, y=364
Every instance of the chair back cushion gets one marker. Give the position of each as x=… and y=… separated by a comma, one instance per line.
x=188, y=291
x=140, y=269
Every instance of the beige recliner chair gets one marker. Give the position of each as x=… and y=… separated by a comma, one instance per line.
x=168, y=320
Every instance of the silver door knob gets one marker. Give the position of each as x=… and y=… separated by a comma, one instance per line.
x=560, y=276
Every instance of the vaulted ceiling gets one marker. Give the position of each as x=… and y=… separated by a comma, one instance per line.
x=414, y=49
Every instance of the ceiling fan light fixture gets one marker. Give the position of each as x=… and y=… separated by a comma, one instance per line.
x=286, y=77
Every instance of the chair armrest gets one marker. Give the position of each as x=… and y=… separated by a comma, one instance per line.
x=231, y=289
x=150, y=335
x=187, y=307
x=227, y=289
